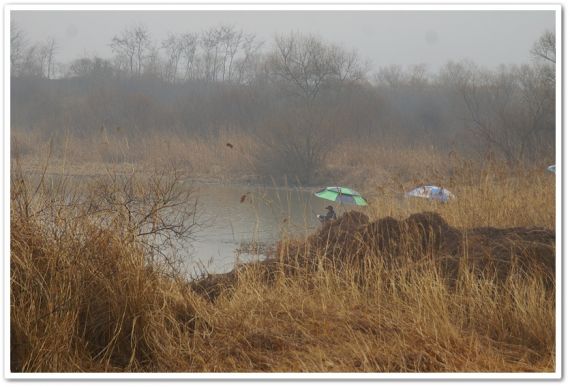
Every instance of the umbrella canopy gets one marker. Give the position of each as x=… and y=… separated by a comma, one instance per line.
x=341, y=195
x=431, y=192
x=552, y=169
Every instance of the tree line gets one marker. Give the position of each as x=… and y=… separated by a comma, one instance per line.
x=220, y=53
x=299, y=96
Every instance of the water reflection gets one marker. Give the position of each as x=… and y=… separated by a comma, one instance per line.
x=240, y=215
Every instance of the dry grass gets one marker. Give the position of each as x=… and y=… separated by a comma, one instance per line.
x=85, y=296
x=511, y=200
x=490, y=192
x=226, y=155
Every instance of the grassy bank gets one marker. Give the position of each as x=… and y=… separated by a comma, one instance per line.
x=227, y=156
x=91, y=290
x=386, y=166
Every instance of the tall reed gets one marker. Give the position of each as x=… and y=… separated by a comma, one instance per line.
x=87, y=293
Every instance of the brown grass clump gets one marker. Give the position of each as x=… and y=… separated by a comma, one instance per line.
x=94, y=306
x=83, y=294
x=352, y=241
x=408, y=321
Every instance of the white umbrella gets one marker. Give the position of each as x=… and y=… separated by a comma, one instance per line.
x=431, y=192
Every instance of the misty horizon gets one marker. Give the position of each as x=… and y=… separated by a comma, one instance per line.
x=383, y=38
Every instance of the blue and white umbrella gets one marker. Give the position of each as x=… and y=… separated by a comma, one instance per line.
x=552, y=168
x=431, y=192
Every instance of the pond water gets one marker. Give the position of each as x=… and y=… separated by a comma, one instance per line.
x=233, y=217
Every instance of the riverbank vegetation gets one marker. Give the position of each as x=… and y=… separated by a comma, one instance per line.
x=90, y=292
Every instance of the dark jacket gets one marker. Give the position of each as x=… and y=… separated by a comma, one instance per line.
x=331, y=215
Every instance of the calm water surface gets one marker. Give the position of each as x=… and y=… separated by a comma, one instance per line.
x=231, y=216
x=234, y=216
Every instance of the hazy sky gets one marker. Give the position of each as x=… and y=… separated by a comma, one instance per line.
x=384, y=37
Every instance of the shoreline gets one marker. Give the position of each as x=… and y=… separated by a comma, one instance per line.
x=94, y=170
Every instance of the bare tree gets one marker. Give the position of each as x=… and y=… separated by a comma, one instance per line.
x=545, y=47
x=303, y=62
x=418, y=75
x=31, y=64
x=294, y=143
x=17, y=48
x=174, y=49
x=232, y=41
x=226, y=36
x=48, y=52
x=210, y=43
x=36, y=59
x=188, y=43
x=310, y=72
x=124, y=48
x=142, y=45
x=346, y=65
x=246, y=65
x=84, y=67
x=544, y=53
x=395, y=77
x=392, y=76
x=152, y=63
x=538, y=114
x=511, y=111
x=81, y=67
x=131, y=47
x=156, y=210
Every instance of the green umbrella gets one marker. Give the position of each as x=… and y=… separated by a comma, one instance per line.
x=341, y=195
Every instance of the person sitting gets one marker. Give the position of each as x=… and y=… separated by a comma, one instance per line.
x=330, y=215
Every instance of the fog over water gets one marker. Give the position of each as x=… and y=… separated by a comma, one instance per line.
x=488, y=38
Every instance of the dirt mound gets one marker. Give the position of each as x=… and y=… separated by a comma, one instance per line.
x=340, y=230
x=416, y=236
x=336, y=238
x=508, y=249
x=352, y=239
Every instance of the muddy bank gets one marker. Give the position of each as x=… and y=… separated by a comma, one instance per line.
x=353, y=240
